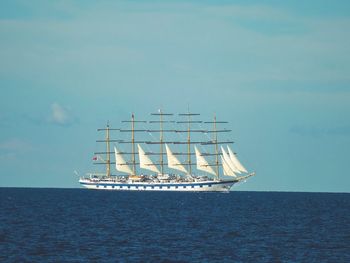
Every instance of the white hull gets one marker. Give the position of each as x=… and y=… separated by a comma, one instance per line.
x=203, y=186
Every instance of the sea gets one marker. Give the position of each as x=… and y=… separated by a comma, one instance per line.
x=80, y=225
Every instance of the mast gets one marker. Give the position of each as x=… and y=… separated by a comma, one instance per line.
x=188, y=142
x=216, y=143
x=133, y=158
x=189, y=145
x=161, y=143
x=108, y=161
x=132, y=141
x=161, y=131
x=215, y=139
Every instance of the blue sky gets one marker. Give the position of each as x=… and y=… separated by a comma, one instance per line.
x=278, y=71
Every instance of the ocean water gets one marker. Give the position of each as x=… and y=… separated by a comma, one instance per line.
x=78, y=225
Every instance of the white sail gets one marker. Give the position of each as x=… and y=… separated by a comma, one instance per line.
x=120, y=163
x=202, y=163
x=235, y=161
x=226, y=169
x=229, y=161
x=146, y=162
x=173, y=162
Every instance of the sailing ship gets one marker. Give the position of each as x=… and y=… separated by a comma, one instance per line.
x=220, y=174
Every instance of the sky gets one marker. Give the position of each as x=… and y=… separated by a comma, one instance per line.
x=277, y=71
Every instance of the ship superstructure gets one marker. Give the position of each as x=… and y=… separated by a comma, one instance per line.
x=209, y=165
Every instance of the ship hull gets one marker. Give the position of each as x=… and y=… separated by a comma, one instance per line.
x=204, y=186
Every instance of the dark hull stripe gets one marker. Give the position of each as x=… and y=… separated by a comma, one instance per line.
x=159, y=184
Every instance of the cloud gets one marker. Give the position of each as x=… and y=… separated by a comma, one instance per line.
x=11, y=148
x=61, y=115
x=15, y=144
x=58, y=115
x=240, y=45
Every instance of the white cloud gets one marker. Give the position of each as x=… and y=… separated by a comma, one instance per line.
x=13, y=147
x=222, y=45
x=61, y=115
x=15, y=144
